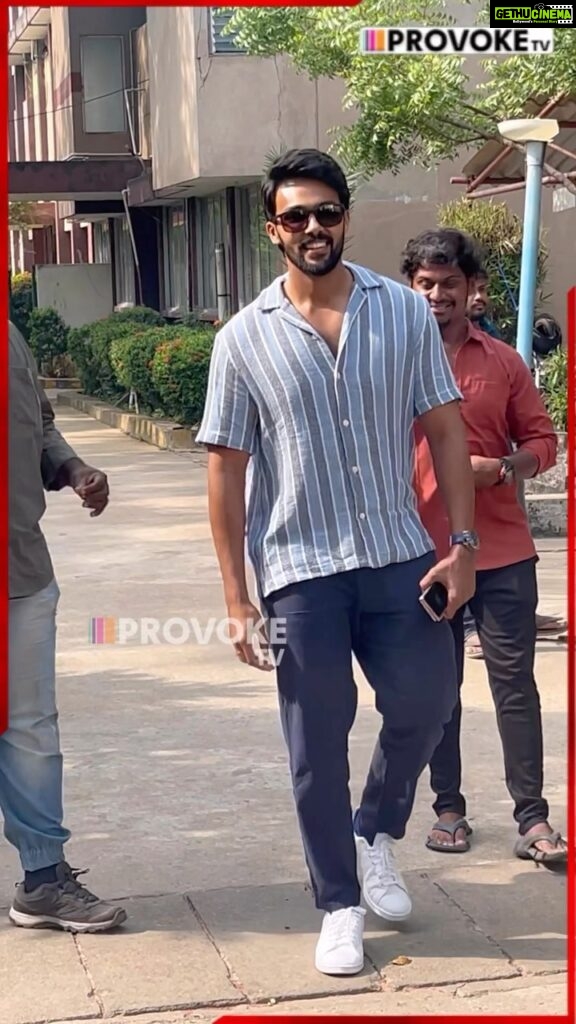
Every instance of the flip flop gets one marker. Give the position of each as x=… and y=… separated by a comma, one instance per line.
x=526, y=849
x=473, y=647
x=451, y=828
x=550, y=625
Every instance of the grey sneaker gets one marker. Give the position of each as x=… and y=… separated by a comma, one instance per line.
x=65, y=904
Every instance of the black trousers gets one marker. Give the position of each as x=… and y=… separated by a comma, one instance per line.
x=504, y=607
x=374, y=614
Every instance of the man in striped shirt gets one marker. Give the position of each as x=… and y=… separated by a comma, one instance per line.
x=315, y=387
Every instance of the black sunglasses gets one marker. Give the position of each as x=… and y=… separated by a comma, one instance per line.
x=328, y=215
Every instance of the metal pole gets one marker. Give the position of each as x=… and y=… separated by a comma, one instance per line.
x=221, y=292
x=530, y=245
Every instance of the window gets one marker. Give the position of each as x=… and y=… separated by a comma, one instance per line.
x=211, y=230
x=102, y=64
x=101, y=242
x=257, y=259
x=175, y=249
x=220, y=42
x=124, y=270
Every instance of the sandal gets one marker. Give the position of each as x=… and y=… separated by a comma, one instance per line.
x=473, y=647
x=451, y=828
x=550, y=625
x=526, y=848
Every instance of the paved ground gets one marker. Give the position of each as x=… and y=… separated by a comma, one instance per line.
x=178, y=796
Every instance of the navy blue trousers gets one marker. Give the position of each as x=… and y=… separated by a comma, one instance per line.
x=409, y=661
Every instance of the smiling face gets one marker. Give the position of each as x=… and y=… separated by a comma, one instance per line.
x=309, y=227
x=447, y=290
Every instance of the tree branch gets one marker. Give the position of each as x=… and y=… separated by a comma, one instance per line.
x=560, y=176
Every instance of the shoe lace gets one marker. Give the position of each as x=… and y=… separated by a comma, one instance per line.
x=382, y=859
x=71, y=885
x=346, y=924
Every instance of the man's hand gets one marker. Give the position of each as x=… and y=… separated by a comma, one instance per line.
x=486, y=471
x=245, y=627
x=457, y=573
x=92, y=486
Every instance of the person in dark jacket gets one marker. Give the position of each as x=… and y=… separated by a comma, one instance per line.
x=30, y=755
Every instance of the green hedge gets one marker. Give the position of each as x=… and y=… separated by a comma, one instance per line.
x=166, y=365
x=48, y=339
x=21, y=300
x=180, y=373
x=554, y=387
x=131, y=360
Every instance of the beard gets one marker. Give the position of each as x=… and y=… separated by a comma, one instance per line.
x=297, y=256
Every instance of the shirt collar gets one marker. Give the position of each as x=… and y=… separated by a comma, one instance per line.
x=475, y=334
x=273, y=297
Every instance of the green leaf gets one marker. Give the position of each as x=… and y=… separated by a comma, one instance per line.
x=409, y=110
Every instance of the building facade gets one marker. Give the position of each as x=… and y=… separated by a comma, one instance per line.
x=141, y=134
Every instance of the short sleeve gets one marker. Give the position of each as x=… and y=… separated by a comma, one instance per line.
x=434, y=382
x=230, y=415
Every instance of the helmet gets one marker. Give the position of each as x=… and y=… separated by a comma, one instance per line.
x=547, y=335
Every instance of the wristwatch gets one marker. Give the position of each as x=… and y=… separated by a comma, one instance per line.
x=467, y=539
x=507, y=473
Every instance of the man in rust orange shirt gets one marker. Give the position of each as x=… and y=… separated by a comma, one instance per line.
x=501, y=404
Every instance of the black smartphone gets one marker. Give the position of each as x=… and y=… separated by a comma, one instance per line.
x=434, y=601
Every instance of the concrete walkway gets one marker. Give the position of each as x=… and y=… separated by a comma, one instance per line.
x=178, y=797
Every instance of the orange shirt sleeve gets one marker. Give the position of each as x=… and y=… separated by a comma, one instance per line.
x=529, y=424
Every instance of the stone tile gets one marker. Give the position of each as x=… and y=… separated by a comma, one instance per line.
x=521, y=907
x=268, y=936
x=41, y=977
x=442, y=944
x=160, y=959
x=541, y=999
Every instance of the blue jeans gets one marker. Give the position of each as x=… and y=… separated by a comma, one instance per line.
x=30, y=758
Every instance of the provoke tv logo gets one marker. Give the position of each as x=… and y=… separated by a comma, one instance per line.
x=554, y=15
x=416, y=41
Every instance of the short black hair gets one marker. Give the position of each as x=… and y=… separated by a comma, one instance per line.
x=482, y=274
x=442, y=247
x=303, y=163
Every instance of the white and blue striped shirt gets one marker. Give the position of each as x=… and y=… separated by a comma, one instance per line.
x=331, y=438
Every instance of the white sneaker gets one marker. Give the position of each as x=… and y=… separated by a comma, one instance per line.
x=383, y=887
x=340, y=949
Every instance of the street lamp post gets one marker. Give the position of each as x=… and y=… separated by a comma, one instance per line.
x=534, y=133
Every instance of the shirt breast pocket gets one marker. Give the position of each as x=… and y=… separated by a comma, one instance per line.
x=25, y=408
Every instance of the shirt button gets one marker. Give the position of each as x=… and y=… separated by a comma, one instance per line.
x=345, y=423
x=355, y=469
x=362, y=515
x=338, y=376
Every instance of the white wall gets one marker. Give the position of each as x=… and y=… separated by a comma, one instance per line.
x=80, y=292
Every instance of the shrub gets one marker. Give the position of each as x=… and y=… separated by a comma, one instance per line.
x=180, y=373
x=131, y=359
x=166, y=365
x=21, y=301
x=498, y=231
x=89, y=349
x=554, y=387
x=138, y=315
x=48, y=339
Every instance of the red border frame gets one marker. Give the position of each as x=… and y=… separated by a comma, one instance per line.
x=571, y=299
x=571, y=766
x=4, y=392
